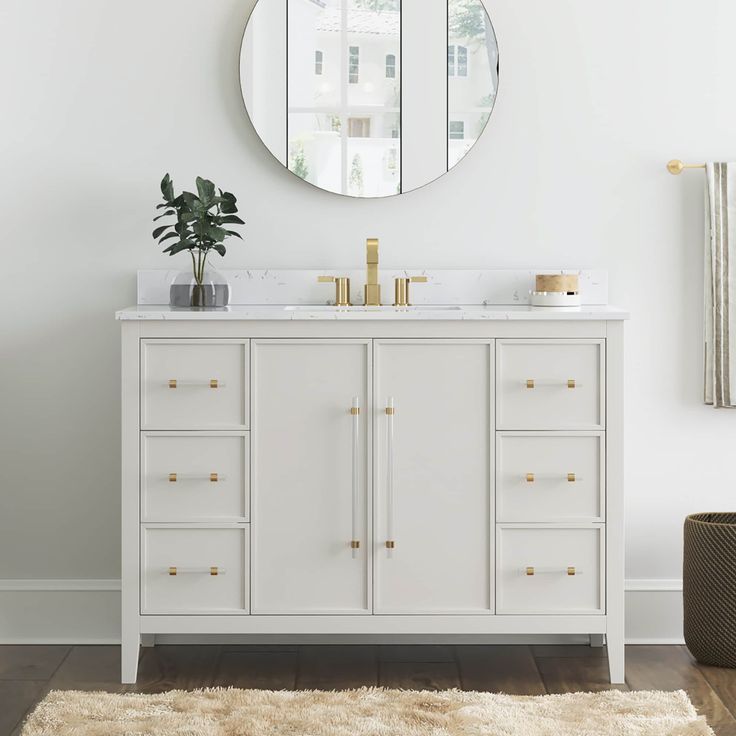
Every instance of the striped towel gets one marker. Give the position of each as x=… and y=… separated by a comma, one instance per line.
x=720, y=285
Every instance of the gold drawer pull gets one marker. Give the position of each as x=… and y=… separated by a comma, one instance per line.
x=214, y=570
x=212, y=383
x=211, y=477
x=390, y=544
x=571, y=478
x=530, y=477
x=533, y=383
x=354, y=544
x=570, y=571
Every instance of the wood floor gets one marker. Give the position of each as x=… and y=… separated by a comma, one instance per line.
x=28, y=672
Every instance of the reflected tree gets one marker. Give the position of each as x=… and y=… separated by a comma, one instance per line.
x=468, y=19
x=356, y=176
x=298, y=161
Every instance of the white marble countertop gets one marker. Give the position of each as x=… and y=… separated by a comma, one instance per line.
x=424, y=312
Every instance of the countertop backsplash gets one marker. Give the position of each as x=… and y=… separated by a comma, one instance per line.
x=300, y=286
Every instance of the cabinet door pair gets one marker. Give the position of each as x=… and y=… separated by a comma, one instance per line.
x=359, y=510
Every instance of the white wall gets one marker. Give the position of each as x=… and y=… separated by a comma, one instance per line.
x=100, y=99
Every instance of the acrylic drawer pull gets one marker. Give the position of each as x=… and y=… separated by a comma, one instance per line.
x=355, y=417
x=390, y=531
x=569, y=571
x=211, y=477
x=534, y=383
x=212, y=383
x=213, y=571
x=569, y=477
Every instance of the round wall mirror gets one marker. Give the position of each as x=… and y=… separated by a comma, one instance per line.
x=369, y=98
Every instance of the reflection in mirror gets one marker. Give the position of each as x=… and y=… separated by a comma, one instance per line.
x=472, y=73
x=344, y=116
x=353, y=96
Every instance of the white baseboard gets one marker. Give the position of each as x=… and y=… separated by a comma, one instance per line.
x=88, y=612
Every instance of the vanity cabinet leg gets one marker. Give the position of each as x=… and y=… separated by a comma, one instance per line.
x=149, y=640
x=616, y=657
x=129, y=650
x=596, y=640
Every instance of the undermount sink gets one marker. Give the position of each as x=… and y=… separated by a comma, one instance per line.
x=363, y=308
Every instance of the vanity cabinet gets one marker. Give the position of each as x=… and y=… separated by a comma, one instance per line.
x=368, y=476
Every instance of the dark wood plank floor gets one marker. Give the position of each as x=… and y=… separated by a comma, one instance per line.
x=27, y=673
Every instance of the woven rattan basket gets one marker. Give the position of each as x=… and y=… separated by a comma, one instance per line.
x=709, y=588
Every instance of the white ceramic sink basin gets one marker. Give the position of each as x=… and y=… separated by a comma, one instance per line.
x=362, y=308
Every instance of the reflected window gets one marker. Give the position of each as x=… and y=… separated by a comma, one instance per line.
x=457, y=130
x=462, y=61
x=343, y=94
x=354, y=65
x=457, y=61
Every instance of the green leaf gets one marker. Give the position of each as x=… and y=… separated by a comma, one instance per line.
x=205, y=190
x=165, y=214
x=189, y=199
x=217, y=234
x=159, y=230
x=175, y=248
x=168, y=236
x=220, y=248
x=231, y=220
x=232, y=232
x=167, y=188
x=163, y=204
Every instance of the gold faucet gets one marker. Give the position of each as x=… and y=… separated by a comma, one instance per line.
x=372, y=287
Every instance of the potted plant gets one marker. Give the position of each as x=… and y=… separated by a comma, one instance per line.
x=200, y=225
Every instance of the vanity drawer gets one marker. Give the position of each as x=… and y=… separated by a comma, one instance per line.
x=550, y=384
x=194, y=384
x=191, y=476
x=550, y=476
x=194, y=570
x=535, y=567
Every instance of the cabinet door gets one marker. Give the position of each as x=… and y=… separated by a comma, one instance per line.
x=433, y=514
x=305, y=510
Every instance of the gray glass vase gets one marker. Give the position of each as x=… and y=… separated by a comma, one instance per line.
x=212, y=293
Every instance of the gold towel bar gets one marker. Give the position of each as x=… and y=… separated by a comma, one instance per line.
x=676, y=167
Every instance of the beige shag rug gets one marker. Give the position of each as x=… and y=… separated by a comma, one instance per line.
x=365, y=712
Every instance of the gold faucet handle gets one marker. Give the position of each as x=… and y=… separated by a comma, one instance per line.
x=342, y=288
x=401, y=289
